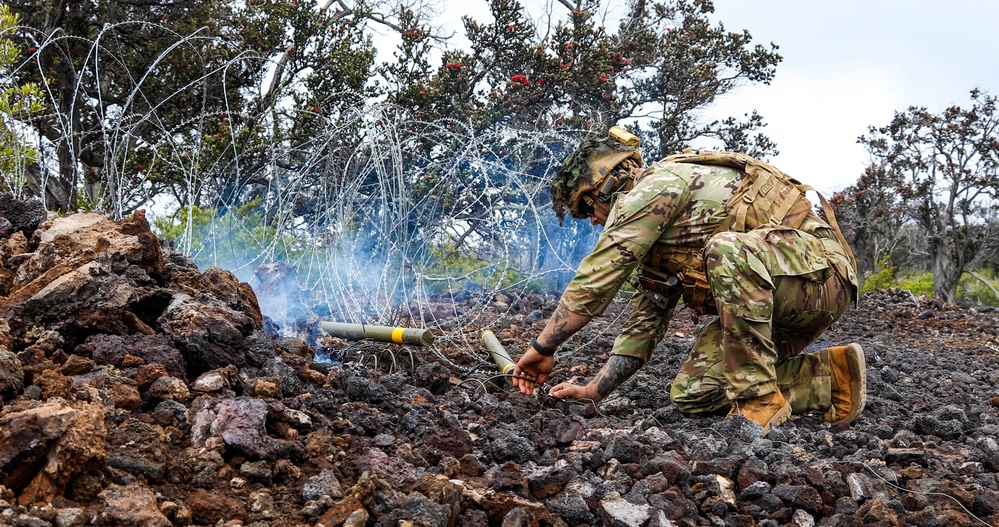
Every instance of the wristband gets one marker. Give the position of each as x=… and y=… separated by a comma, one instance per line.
x=547, y=352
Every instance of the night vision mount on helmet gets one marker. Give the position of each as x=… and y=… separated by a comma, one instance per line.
x=595, y=166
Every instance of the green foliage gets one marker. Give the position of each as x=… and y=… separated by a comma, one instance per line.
x=921, y=283
x=17, y=105
x=451, y=269
x=882, y=277
x=973, y=289
x=237, y=239
x=174, y=228
x=918, y=283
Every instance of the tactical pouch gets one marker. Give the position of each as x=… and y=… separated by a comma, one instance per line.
x=685, y=265
x=697, y=291
x=653, y=281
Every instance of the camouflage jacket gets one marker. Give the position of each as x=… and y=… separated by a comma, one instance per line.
x=671, y=203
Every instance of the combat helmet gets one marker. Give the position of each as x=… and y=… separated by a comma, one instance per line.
x=592, y=167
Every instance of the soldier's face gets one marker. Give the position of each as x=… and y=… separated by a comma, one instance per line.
x=600, y=210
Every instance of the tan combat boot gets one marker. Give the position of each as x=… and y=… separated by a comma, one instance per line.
x=766, y=410
x=849, y=384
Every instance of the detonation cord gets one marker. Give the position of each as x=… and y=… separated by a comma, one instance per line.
x=882, y=478
x=926, y=493
x=593, y=403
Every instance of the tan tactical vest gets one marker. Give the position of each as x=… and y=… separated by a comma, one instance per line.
x=765, y=196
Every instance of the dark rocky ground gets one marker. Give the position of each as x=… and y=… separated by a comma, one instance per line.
x=139, y=390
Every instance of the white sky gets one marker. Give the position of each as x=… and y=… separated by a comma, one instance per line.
x=848, y=64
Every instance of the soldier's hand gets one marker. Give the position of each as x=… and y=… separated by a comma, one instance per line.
x=532, y=370
x=567, y=390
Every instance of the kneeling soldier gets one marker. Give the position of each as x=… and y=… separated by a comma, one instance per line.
x=733, y=237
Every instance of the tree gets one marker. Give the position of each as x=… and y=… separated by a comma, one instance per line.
x=567, y=74
x=665, y=62
x=945, y=168
x=18, y=103
x=679, y=64
x=188, y=99
x=870, y=214
x=129, y=84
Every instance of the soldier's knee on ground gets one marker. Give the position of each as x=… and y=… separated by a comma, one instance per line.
x=698, y=398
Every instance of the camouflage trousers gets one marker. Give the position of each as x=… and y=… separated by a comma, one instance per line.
x=770, y=310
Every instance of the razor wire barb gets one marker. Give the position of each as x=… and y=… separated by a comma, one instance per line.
x=384, y=215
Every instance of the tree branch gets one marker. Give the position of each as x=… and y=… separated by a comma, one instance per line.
x=568, y=5
x=982, y=279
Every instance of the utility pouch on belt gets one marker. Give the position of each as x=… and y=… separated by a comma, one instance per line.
x=697, y=291
x=661, y=288
x=686, y=266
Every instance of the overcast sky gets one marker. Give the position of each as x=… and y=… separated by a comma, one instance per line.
x=848, y=64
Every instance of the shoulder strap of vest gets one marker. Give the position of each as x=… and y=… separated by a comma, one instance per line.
x=761, y=178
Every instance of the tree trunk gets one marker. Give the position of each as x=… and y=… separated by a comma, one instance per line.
x=54, y=190
x=946, y=273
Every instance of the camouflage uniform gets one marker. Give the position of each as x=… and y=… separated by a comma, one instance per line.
x=776, y=289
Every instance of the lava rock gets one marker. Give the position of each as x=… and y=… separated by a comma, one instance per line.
x=507, y=445
x=24, y=216
x=418, y=506
x=46, y=446
x=800, y=496
x=11, y=375
x=153, y=349
x=323, y=484
x=571, y=508
x=624, y=449
x=398, y=473
x=618, y=512
x=241, y=423
x=132, y=505
x=209, y=507
x=548, y=481
x=931, y=425
x=434, y=377
x=755, y=490
x=150, y=470
x=170, y=413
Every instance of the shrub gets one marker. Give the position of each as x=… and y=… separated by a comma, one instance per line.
x=882, y=277
x=972, y=288
x=916, y=282
x=452, y=269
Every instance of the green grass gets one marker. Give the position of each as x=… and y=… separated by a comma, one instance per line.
x=921, y=283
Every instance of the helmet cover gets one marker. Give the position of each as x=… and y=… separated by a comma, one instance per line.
x=585, y=170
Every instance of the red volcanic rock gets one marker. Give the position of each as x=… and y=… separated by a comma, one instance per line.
x=138, y=390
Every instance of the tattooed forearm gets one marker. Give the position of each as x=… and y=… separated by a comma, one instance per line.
x=562, y=325
x=617, y=370
x=560, y=331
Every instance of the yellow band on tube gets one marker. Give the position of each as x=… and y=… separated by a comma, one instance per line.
x=397, y=335
x=508, y=369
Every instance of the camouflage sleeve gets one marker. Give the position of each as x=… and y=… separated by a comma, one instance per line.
x=636, y=221
x=601, y=274
x=644, y=329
